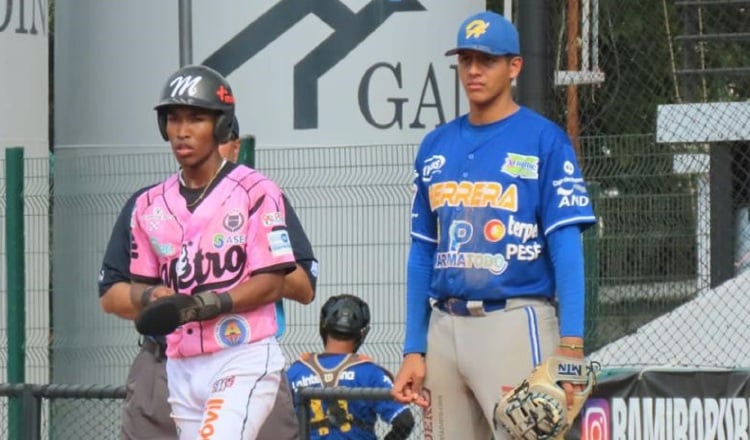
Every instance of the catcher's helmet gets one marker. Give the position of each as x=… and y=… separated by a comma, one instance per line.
x=198, y=86
x=345, y=315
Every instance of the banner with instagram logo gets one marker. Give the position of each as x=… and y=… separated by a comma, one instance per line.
x=671, y=404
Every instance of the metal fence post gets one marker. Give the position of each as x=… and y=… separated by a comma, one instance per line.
x=247, y=151
x=592, y=276
x=32, y=414
x=16, y=310
x=303, y=416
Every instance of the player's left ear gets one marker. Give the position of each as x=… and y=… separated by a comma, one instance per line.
x=515, y=64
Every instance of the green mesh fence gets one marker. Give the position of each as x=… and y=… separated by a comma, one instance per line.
x=37, y=260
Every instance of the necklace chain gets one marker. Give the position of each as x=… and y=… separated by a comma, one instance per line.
x=205, y=188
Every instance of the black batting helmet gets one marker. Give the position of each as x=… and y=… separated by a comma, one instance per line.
x=198, y=86
x=345, y=316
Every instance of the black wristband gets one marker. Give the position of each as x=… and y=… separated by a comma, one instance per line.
x=146, y=295
x=225, y=302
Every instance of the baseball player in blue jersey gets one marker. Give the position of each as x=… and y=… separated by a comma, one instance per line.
x=496, y=253
x=344, y=323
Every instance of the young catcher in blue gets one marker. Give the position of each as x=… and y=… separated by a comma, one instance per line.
x=496, y=254
x=344, y=323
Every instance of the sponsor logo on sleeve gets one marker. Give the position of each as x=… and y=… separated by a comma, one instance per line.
x=568, y=167
x=571, y=190
x=279, y=243
x=272, y=219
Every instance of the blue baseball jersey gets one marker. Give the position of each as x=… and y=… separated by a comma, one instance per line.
x=363, y=412
x=487, y=196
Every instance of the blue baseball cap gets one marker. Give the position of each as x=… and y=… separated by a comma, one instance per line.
x=487, y=32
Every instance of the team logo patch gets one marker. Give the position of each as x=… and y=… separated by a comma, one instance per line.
x=273, y=219
x=432, y=166
x=476, y=29
x=154, y=220
x=233, y=221
x=185, y=85
x=231, y=331
x=494, y=230
x=521, y=166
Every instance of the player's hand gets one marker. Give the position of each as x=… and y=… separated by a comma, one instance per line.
x=407, y=388
x=161, y=292
x=571, y=388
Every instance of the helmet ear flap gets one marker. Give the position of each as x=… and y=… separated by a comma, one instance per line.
x=161, y=119
x=223, y=128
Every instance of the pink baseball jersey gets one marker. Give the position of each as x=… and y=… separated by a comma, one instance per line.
x=237, y=230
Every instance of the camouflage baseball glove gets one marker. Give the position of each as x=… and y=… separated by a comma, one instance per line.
x=164, y=315
x=537, y=409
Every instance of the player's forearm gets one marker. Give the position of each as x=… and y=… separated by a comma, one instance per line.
x=138, y=295
x=116, y=300
x=297, y=286
x=418, y=277
x=566, y=251
x=259, y=290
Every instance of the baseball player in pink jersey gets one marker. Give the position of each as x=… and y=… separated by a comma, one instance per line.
x=214, y=233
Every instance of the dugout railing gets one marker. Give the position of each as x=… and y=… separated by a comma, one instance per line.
x=35, y=422
x=44, y=408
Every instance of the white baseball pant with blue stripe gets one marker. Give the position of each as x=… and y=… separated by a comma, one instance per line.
x=471, y=360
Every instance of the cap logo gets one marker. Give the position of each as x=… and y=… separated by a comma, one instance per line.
x=476, y=28
x=182, y=85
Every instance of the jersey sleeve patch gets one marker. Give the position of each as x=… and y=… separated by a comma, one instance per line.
x=279, y=243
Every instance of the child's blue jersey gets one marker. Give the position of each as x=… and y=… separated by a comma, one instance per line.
x=363, y=413
x=487, y=196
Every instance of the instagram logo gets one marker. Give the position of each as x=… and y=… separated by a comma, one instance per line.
x=595, y=425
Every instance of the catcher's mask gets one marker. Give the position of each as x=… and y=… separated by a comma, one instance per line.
x=202, y=87
x=346, y=316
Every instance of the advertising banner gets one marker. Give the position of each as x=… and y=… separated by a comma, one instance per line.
x=667, y=405
x=304, y=73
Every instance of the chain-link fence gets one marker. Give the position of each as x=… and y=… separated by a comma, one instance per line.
x=655, y=97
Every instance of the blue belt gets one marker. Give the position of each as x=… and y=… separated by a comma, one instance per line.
x=462, y=307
